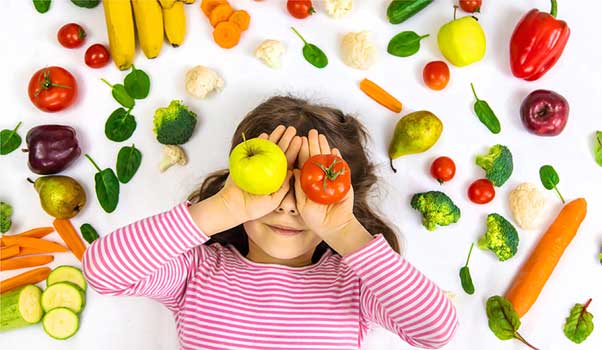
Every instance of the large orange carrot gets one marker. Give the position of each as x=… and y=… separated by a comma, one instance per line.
x=534, y=274
x=30, y=261
x=379, y=95
x=32, y=276
x=70, y=237
x=241, y=18
x=208, y=5
x=36, y=243
x=220, y=14
x=9, y=251
x=226, y=35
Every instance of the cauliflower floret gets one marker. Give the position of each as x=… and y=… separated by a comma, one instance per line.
x=338, y=8
x=358, y=51
x=200, y=81
x=270, y=52
x=171, y=155
x=526, y=203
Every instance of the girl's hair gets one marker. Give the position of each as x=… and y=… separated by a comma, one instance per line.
x=343, y=132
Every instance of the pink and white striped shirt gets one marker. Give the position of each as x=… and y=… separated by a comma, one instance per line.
x=221, y=300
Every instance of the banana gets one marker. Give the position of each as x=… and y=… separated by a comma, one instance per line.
x=174, y=20
x=167, y=4
x=120, y=29
x=149, y=23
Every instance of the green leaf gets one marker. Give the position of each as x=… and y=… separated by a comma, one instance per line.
x=89, y=233
x=405, y=44
x=128, y=162
x=6, y=211
x=120, y=125
x=9, y=140
x=137, y=83
x=42, y=6
x=598, y=148
x=465, y=278
x=550, y=179
x=579, y=325
x=486, y=114
x=86, y=3
x=503, y=319
x=312, y=54
x=107, y=187
x=121, y=95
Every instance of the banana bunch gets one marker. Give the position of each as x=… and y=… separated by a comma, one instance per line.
x=152, y=18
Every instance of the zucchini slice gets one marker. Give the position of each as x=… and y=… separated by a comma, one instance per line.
x=63, y=294
x=66, y=273
x=20, y=308
x=60, y=323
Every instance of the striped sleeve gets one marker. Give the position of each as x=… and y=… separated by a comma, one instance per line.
x=400, y=298
x=152, y=257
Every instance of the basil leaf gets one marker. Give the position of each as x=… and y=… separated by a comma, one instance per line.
x=405, y=44
x=42, y=6
x=550, y=179
x=120, y=125
x=128, y=162
x=9, y=140
x=89, y=233
x=598, y=148
x=107, y=187
x=86, y=3
x=137, y=83
x=312, y=54
x=465, y=278
x=486, y=114
x=121, y=95
x=579, y=324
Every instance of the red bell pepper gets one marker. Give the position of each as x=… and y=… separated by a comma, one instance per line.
x=537, y=43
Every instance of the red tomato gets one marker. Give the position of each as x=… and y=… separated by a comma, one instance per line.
x=52, y=89
x=71, y=35
x=481, y=191
x=300, y=8
x=325, y=178
x=471, y=5
x=97, y=56
x=436, y=75
x=443, y=169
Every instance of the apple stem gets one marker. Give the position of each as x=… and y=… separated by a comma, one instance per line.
x=455, y=10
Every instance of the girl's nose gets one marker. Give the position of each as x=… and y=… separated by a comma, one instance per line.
x=288, y=204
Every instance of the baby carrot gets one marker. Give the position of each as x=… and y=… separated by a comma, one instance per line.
x=379, y=95
x=9, y=251
x=30, y=261
x=70, y=237
x=32, y=276
x=36, y=243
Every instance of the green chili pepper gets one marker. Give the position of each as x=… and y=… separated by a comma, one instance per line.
x=465, y=278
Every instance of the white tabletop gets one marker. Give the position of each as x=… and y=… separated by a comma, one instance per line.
x=29, y=43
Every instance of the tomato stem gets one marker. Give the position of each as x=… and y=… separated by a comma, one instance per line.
x=46, y=83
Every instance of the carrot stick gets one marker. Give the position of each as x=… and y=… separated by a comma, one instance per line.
x=39, y=232
x=32, y=276
x=208, y=5
x=241, y=18
x=36, y=243
x=70, y=237
x=9, y=251
x=30, y=261
x=379, y=95
x=31, y=251
x=533, y=275
x=220, y=14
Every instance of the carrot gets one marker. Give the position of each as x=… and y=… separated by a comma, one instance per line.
x=208, y=5
x=30, y=261
x=226, y=34
x=32, y=276
x=31, y=251
x=39, y=232
x=379, y=95
x=220, y=14
x=534, y=274
x=9, y=251
x=70, y=237
x=241, y=18
x=36, y=243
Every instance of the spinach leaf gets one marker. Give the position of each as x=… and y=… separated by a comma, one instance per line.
x=121, y=95
x=579, y=325
x=89, y=233
x=550, y=179
x=405, y=44
x=598, y=148
x=312, y=53
x=465, y=278
x=486, y=114
x=503, y=320
x=6, y=211
x=120, y=125
x=107, y=187
x=128, y=162
x=42, y=6
x=9, y=140
x=86, y=3
x=137, y=83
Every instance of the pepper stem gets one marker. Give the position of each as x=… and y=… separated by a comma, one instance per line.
x=93, y=162
x=554, y=9
x=299, y=35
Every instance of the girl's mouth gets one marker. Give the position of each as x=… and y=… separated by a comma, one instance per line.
x=285, y=230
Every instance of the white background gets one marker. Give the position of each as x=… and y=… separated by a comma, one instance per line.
x=29, y=43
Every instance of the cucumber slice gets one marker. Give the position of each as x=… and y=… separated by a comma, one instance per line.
x=67, y=273
x=60, y=323
x=20, y=308
x=63, y=294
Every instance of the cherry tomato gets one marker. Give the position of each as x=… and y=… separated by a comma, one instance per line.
x=97, y=56
x=71, y=35
x=481, y=191
x=52, y=89
x=300, y=8
x=325, y=178
x=436, y=75
x=443, y=169
x=471, y=6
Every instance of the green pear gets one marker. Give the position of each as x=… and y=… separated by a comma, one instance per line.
x=414, y=133
x=61, y=196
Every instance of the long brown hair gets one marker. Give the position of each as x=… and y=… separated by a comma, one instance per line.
x=342, y=131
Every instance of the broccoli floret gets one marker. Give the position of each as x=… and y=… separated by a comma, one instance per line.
x=436, y=208
x=6, y=211
x=174, y=124
x=497, y=164
x=501, y=237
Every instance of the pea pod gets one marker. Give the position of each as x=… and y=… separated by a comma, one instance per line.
x=465, y=278
x=400, y=10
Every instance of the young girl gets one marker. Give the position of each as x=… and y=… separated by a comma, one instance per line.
x=279, y=271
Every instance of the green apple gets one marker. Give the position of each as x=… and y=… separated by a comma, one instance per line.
x=462, y=41
x=258, y=166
